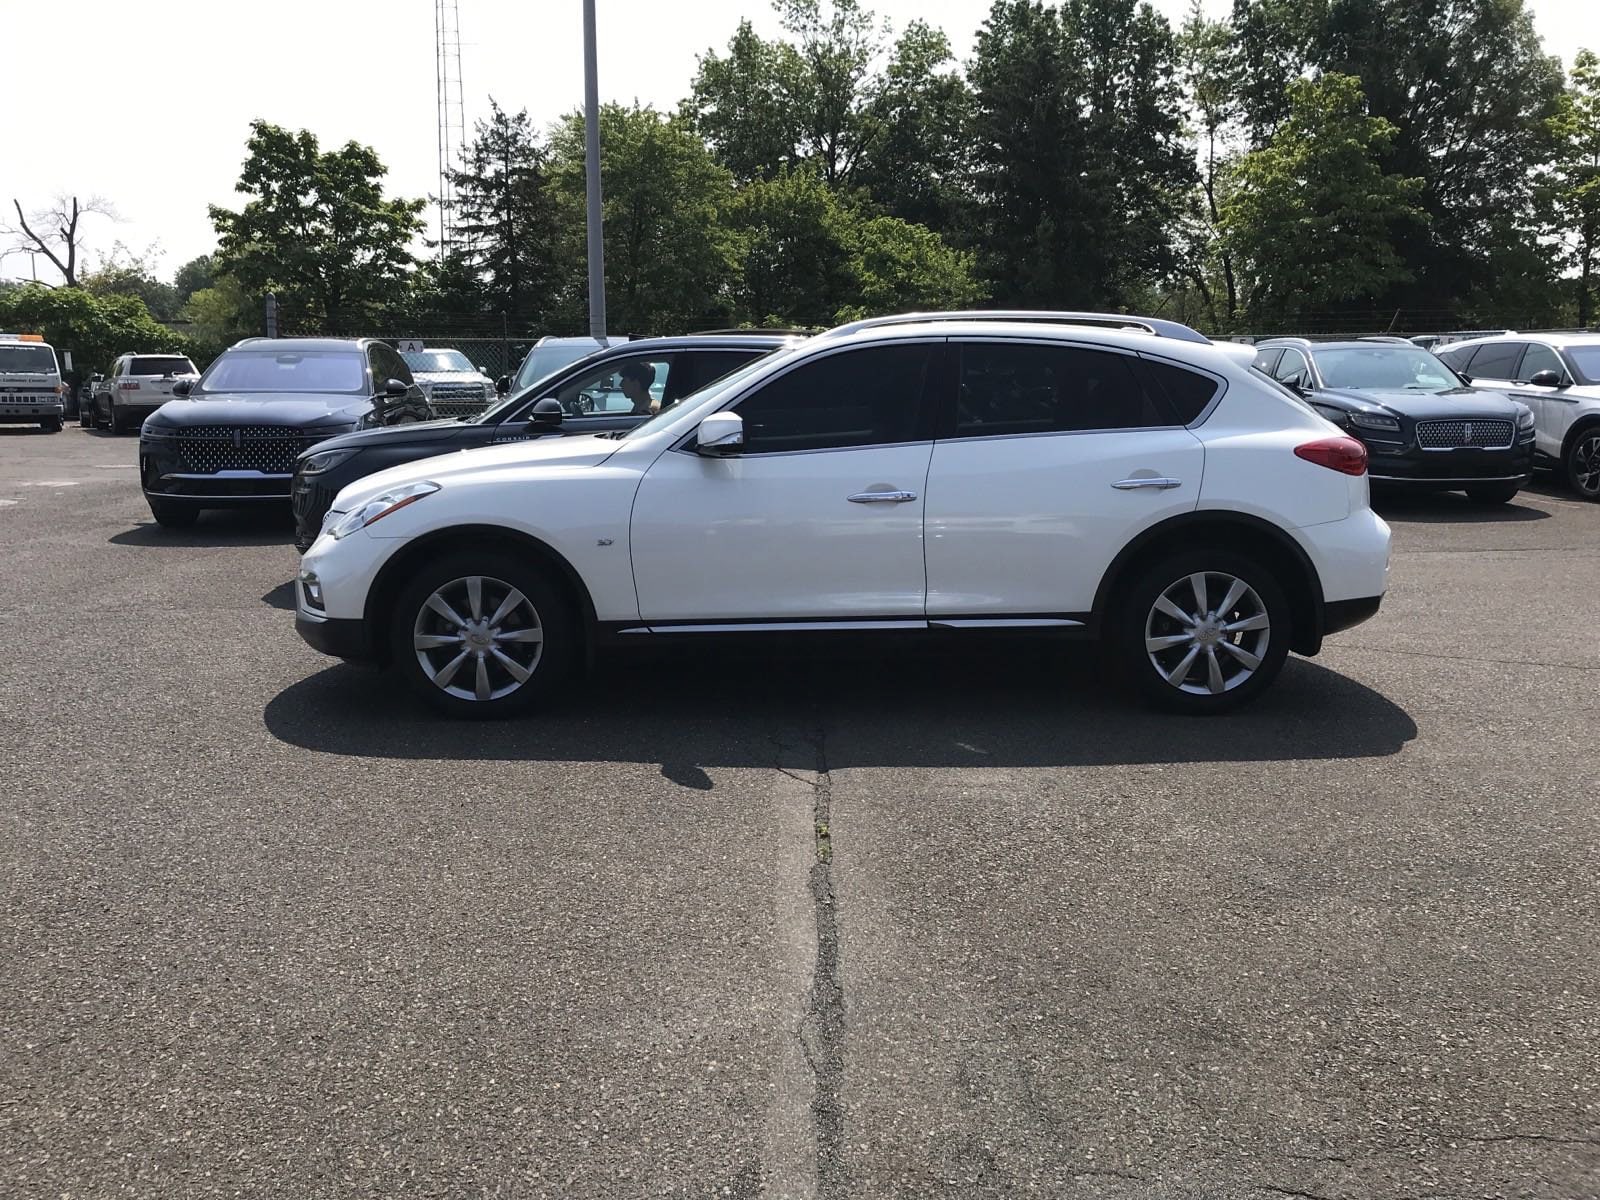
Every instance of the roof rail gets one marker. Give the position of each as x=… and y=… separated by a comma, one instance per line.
x=1152, y=325
x=1384, y=337
x=785, y=332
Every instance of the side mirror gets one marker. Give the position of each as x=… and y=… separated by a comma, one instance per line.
x=1550, y=379
x=721, y=434
x=503, y=384
x=181, y=388
x=97, y=377
x=546, y=414
x=395, y=389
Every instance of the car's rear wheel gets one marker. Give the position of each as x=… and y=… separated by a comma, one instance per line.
x=86, y=414
x=1498, y=493
x=1203, y=631
x=483, y=635
x=173, y=514
x=1583, y=463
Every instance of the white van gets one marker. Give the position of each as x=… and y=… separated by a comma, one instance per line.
x=30, y=382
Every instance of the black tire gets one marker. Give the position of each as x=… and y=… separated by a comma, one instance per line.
x=113, y=421
x=558, y=653
x=1582, y=462
x=86, y=415
x=51, y=424
x=171, y=514
x=1137, y=617
x=1496, y=493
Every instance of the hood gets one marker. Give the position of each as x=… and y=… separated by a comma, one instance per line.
x=433, y=432
x=263, y=408
x=1423, y=406
x=556, y=453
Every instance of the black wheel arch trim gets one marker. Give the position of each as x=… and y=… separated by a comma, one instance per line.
x=1305, y=641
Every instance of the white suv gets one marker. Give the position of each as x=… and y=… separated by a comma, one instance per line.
x=1078, y=474
x=1558, y=376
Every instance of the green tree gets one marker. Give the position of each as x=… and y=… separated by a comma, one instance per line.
x=745, y=105
x=1211, y=82
x=901, y=267
x=506, y=221
x=219, y=315
x=317, y=230
x=669, y=256
x=123, y=273
x=795, y=250
x=199, y=272
x=1312, y=218
x=1574, y=180
x=96, y=329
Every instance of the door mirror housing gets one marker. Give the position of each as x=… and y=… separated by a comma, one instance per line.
x=546, y=414
x=720, y=435
x=1549, y=379
x=181, y=388
x=503, y=384
x=395, y=389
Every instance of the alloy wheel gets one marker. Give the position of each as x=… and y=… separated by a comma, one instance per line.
x=478, y=638
x=1586, y=464
x=1207, y=633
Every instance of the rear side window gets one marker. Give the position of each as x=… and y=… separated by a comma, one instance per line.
x=1019, y=387
x=1455, y=357
x=870, y=397
x=168, y=365
x=1187, y=393
x=1496, y=360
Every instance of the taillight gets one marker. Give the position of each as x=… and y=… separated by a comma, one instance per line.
x=129, y=385
x=1342, y=454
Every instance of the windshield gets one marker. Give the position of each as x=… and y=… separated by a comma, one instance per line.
x=170, y=365
x=1587, y=360
x=547, y=360
x=726, y=384
x=29, y=360
x=293, y=371
x=438, y=360
x=1394, y=368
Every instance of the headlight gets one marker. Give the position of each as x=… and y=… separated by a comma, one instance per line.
x=1524, y=417
x=1374, y=421
x=327, y=460
x=380, y=507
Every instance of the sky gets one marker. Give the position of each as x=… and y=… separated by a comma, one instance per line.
x=150, y=104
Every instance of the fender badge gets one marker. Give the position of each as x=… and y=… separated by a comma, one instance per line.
x=603, y=542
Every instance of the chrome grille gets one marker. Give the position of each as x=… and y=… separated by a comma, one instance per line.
x=459, y=399
x=1455, y=435
x=267, y=448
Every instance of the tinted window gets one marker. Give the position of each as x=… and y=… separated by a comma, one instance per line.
x=1266, y=360
x=386, y=365
x=1538, y=358
x=1496, y=360
x=1455, y=358
x=857, y=398
x=1587, y=360
x=701, y=367
x=1020, y=388
x=1293, y=365
x=621, y=385
x=1187, y=392
x=169, y=365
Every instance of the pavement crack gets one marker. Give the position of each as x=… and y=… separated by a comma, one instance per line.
x=1522, y=1137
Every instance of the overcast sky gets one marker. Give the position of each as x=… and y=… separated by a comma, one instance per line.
x=147, y=102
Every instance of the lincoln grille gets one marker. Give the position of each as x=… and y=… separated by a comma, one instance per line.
x=267, y=448
x=1453, y=435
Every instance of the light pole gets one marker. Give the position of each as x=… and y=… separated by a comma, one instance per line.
x=591, y=140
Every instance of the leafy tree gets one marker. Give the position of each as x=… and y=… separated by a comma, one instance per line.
x=96, y=329
x=1274, y=41
x=745, y=106
x=317, y=229
x=901, y=267
x=1210, y=81
x=199, y=272
x=838, y=45
x=1311, y=219
x=219, y=315
x=1575, y=178
x=126, y=274
x=506, y=221
x=795, y=250
x=669, y=257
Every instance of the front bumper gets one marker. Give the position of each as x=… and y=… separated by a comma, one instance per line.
x=16, y=412
x=311, y=496
x=1390, y=465
x=165, y=475
x=344, y=639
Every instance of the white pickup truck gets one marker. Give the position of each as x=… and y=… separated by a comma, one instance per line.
x=30, y=382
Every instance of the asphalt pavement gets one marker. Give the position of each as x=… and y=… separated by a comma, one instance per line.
x=901, y=922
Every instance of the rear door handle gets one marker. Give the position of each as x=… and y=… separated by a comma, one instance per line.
x=881, y=497
x=1159, y=483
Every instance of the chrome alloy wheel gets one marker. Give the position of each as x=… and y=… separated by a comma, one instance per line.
x=478, y=638
x=1586, y=463
x=1207, y=633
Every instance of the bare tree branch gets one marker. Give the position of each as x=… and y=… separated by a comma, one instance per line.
x=66, y=216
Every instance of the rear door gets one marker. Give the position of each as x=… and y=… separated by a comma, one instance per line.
x=1054, y=458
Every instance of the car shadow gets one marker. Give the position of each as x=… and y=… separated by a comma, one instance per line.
x=219, y=527
x=281, y=597
x=22, y=431
x=1010, y=705
x=1450, y=508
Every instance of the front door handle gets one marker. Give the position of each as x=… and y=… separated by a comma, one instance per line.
x=881, y=497
x=1159, y=483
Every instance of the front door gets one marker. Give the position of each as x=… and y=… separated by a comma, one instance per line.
x=817, y=520
x=1058, y=456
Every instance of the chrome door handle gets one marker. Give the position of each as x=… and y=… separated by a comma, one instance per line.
x=881, y=497
x=1157, y=482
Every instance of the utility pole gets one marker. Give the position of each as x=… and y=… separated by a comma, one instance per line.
x=591, y=129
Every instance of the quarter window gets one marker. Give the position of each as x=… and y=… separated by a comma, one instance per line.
x=868, y=397
x=1019, y=387
x=1187, y=392
x=1496, y=360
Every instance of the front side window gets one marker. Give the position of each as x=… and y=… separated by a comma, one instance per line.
x=342, y=371
x=1387, y=368
x=1587, y=360
x=1496, y=360
x=1293, y=367
x=1008, y=388
x=1266, y=360
x=621, y=386
x=1539, y=358
x=870, y=397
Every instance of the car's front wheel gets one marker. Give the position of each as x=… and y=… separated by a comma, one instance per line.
x=483, y=635
x=1203, y=631
x=1583, y=463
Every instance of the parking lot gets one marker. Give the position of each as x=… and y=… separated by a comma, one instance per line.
x=919, y=923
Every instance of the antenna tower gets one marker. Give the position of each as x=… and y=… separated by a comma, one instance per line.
x=452, y=122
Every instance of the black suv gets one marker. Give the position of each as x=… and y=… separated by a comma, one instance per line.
x=611, y=389
x=230, y=438
x=1422, y=425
